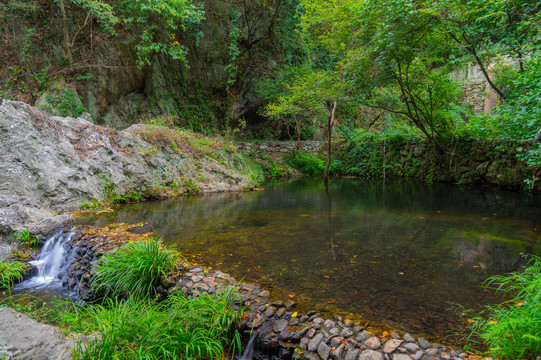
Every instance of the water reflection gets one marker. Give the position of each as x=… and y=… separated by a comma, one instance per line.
x=396, y=253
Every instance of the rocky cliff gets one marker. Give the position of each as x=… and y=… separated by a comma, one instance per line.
x=61, y=163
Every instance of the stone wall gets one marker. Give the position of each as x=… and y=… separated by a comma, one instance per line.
x=276, y=149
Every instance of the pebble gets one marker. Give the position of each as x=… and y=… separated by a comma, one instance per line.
x=363, y=336
x=328, y=324
x=279, y=325
x=419, y=355
x=323, y=350
x=408, y=338
x=336, y=341
x=337, y=353
x=401, y=357
x=270, y=311
x=351, y=354
x=346, y=333
x=314, y=343
x=311, y=333
x=432, y=351
x=373, y=343
x=281, y=312
x=411, y=347
x=293, y=321
x=391, y=345
x=370, y=355
x=423, y=343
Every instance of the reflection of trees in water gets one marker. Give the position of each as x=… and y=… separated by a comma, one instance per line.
x=385, y=253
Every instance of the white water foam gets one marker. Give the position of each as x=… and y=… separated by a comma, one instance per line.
x=49, y=263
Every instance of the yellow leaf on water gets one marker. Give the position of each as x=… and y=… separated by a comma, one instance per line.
x=294, y=315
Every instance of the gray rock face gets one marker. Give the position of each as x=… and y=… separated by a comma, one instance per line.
x=62, y=162
x=19, y=213
x=24, y=338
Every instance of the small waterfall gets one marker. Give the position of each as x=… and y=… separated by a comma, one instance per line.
x=49, y=262
x=248, y=353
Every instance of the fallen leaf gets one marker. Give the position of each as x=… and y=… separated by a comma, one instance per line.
x=294, y=315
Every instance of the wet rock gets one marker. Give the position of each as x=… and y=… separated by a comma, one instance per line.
x=279, y=325
x=337, y=353
x=277, y=303
x=445, y=357
x=423, y=343
x=336, y=341
x=264, y=293
x=294, y=321
x=327, y=324
x=391, y=345
x=290, y=305
x=280, y=312
x=303, y=344
x=310, y=356
x=304, y=318
x=311, y=333
x=357, y=329
x=373, y=343
x=411, y=347
x=310, y=313
x=401, y=357
x=270, y=311
x=323, y=350
x=285, y=335
x=269, y=342
x=299, y=334
x=315, y=341
x=335, y=331
x=419, y=355
x=432, y=351
x=363, y=336
x=351, y=354
x=370, y=355
x=346, y=333
x=408, y=338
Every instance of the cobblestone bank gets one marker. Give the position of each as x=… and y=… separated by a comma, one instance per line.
x=279, y=331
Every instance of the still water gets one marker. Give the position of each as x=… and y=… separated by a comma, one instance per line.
x=398, y=253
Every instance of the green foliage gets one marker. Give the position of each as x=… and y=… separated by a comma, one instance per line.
x=11, y=272
x=25, y=238
x=177, y=328
x=158, y=25
x=512, y=329
x=135, y=269
x=306, y=163
x=63, y=101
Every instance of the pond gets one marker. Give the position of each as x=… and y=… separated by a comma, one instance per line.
x=398, y=253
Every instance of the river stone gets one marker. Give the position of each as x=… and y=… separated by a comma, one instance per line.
x=264, y=294
x=363, y=336
x=423, y=343
x=370, y=355
x=270, y=311
x=294, y=321
x=304, y=318
x=336, y=341
x=432, y=351
x=310, y=356
x=337, y=353
x=303, y=344
x=408, y=338
x=373, y=343
x=351, y=354
x=411, y=347
x=24, y=338
x=285, y=335
x=401, y=357
x=279, y=325
x=311, y=333
x=328, y=324
x=419, y=355
x=335, y=331
x=346, y=333
x=300, y=333
x=323, y=350
x=314, y=343
x=280, y=312
x=391, y=345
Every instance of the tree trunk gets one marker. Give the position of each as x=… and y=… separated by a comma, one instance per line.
x=298, y=125
x=66, y=40
x=330, y=123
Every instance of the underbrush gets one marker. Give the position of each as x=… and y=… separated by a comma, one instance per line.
x=305, y=162
x=10, y=273
x=512, y=329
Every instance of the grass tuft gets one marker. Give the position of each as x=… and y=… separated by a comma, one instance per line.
x=135, y=269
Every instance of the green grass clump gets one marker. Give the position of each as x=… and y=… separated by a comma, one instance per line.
x=306, y=163
x=177, y=328
x=135, y=269
x=512, y=329
x=11, y=272
x=25, y=238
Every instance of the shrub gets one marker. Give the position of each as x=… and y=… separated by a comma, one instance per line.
x=135, y=269
x=306, y=163
x=10, y=272
x=177, y=328
x=26, y=238
x=512, y=330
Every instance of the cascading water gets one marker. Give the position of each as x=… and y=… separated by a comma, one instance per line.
x=49, y=263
